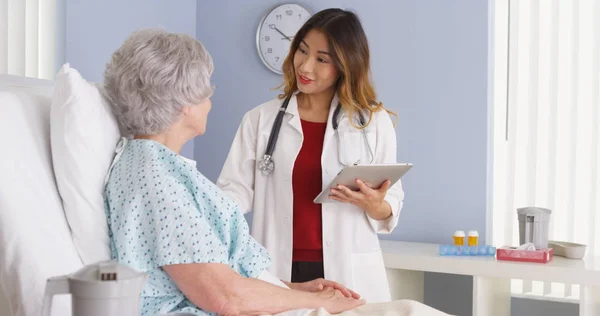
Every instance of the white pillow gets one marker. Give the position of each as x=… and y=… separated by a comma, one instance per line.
x=83, y=133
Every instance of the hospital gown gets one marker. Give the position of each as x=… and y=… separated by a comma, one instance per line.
x=162, y=211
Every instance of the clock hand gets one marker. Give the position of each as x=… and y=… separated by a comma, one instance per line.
x=286, y=37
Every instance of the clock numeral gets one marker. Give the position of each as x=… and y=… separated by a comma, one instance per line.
x=289, y=12
x=279, y=17
x=270, y=50
x=272, y=26
x=299, y=15
x=276, y=59
x=267, y=38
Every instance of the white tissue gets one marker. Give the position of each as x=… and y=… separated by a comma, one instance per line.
x=528, y=246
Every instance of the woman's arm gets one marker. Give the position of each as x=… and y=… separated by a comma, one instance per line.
x=217, y=288
x=386, y=153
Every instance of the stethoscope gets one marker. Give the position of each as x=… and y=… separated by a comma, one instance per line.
x=266, y=164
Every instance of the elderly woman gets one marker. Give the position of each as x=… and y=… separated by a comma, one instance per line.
x=168, y=220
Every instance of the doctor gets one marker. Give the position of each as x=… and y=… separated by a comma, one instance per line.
x=287, y=150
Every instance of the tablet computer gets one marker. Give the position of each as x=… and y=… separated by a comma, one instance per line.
x=375, y=174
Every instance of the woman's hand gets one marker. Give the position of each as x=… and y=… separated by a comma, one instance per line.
x=335, y=302
x=319, y=285
x=370, y=200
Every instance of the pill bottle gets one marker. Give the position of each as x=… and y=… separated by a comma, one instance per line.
x=459, y=238
x=473, y=238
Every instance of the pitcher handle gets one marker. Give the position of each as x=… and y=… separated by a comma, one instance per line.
x=54, y=286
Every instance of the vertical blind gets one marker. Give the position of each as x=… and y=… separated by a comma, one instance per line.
x=27, y=38
x=546, y=132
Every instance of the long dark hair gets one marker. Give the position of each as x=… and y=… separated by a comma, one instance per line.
x=350, y=51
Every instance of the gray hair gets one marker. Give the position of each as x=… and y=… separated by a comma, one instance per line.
x=152, y=76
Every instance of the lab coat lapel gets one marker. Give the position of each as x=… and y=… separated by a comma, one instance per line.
x=294, y=115
x=329, y=132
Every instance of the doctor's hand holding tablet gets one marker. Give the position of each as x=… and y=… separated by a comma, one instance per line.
x=285, y=160
x=369, y=199
x=365, y=186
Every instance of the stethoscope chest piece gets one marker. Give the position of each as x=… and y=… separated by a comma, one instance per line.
x=266, y=165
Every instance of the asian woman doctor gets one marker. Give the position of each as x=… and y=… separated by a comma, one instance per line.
x=288, y=149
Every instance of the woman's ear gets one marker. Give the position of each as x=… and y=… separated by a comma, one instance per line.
x=185, y=110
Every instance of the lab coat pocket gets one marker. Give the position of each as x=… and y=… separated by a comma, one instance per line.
x=351, y=148
x=369, y=277
x=370, y=147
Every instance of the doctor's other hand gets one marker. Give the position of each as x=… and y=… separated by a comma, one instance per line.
x=318, y=285
x=370, y=200
x=335, y=302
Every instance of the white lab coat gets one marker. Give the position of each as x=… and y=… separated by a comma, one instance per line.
x=351, y=250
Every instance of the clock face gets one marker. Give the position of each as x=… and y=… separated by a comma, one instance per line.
x=276, y=32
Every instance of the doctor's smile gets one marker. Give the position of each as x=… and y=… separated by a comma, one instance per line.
x=304, y=80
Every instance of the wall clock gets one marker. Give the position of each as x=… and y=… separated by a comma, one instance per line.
x=276, y=32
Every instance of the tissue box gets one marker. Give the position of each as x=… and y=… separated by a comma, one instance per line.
x=542, y=255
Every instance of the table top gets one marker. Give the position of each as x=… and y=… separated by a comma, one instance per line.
x=425, y=257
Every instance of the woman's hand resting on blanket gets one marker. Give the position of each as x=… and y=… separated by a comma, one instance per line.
x=334, y=301
x=318, y=285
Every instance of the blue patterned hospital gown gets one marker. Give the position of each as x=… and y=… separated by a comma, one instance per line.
x=162, y=211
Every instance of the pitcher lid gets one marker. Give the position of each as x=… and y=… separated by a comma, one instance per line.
x=531, y=210
x=106, y=271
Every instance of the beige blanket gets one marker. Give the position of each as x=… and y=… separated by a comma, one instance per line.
x=394, y=308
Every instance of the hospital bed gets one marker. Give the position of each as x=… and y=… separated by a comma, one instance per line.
x=35, y=239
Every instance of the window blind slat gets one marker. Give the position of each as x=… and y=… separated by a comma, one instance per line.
x=16, y=37
x=32, y=38
x=47, y=35
x=3, y=36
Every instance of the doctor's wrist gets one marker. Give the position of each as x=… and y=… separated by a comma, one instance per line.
x=380, y=211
